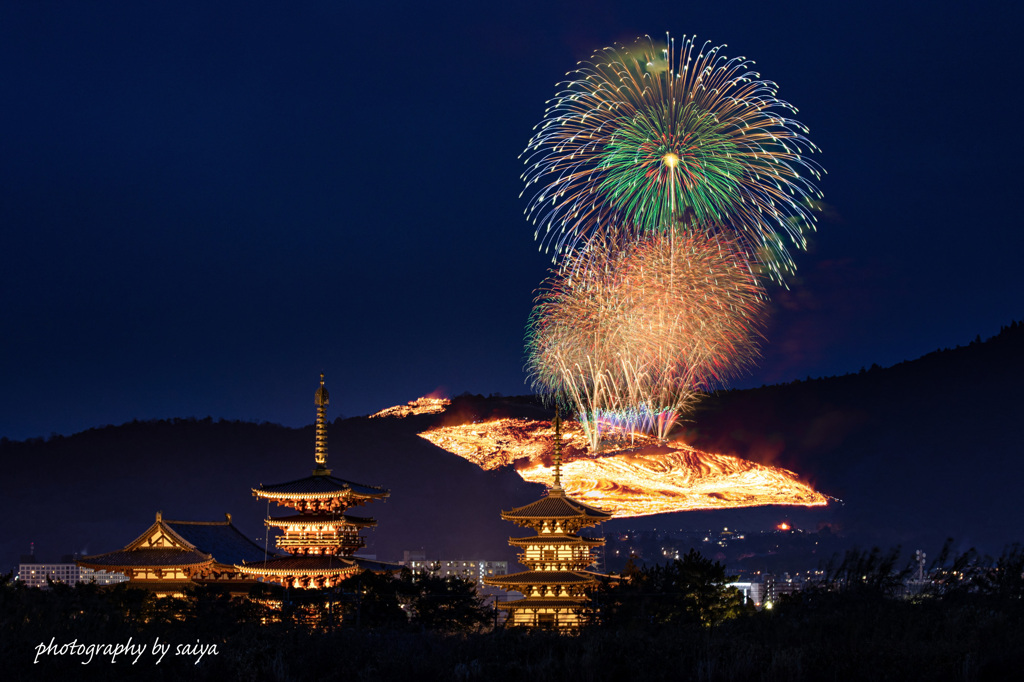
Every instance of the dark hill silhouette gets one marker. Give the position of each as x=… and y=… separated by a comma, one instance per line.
x=917, y=452
x=97, y=490
x=921, y=451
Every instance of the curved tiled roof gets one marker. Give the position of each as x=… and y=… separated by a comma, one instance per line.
x=556, y=506
x=542, y=578
x=554, y=539
x=220, y=539
x=544, y=603
x=323, y=519
x=185, y=543
x=168, y=586
x=320, y=485
x=299, y=565
x=156, y=556
x=376, y=566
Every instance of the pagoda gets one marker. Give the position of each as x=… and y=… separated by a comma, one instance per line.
x=320, y=538
x=557, y=578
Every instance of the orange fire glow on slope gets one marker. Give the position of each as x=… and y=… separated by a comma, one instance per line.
x=419, y=406
x=638, y=478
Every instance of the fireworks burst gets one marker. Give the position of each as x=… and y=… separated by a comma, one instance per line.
x=629, y=333
x=643, y=136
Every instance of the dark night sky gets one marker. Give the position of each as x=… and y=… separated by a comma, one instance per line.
x=204, y=204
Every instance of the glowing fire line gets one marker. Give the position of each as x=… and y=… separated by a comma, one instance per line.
x=637, y=478
x=419, y=406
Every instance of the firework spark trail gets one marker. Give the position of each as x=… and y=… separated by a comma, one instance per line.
x=639, y=138
x=630, y=335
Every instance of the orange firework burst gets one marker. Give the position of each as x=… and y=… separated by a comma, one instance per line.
x=629, y=333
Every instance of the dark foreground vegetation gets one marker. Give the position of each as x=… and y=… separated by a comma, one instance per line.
x=677, y=621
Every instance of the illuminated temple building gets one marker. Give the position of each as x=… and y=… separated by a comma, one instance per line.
x=320, y=538
x=173, y=555
x=554, y=586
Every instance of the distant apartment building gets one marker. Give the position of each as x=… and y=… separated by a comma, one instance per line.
x=36, y=574
x=473, y=569
x=751, y=591
x=768, y=588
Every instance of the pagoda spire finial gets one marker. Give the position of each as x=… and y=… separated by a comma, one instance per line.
x=557, y=487
x=322, y=398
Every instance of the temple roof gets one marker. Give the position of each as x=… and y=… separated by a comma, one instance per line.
x=182, y=544
x=170, y=586
x=319, y=486
x=556, y=539
x=543, y=578
x=376, y=566
x=161, y=557
x=322, y=519
x=555, y=505
x=543, y=603
x=221, y=539
x=315, y=564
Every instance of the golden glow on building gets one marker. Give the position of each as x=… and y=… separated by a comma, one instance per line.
x=557, y=579
x=173, y=555
x=319, y=540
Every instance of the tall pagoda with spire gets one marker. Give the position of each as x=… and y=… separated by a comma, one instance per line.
x=320, y=538
x=557, y=578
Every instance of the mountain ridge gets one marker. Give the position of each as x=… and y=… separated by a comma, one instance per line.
x=916, y=452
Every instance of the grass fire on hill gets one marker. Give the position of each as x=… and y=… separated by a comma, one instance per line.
x=634, y=476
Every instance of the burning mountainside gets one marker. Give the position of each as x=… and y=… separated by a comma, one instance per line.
x=418, y=406
x=633, y=478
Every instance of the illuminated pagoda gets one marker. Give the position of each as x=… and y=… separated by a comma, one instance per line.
x=171, y=556
x=557, y=559
x=319, y=540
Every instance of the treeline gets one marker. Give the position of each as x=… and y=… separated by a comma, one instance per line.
x=47, y=634
x=674, y=621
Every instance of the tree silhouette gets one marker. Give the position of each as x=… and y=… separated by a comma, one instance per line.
x=691, y=590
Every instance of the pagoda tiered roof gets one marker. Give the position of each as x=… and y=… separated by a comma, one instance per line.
x=555, y=539
x=544, y=578
x=322, y=519
x=319, y=486
x=555, y=505
x=544, y=603
x=315, y=565
x=554, y=597
x=302, y=564
x=321, y=538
